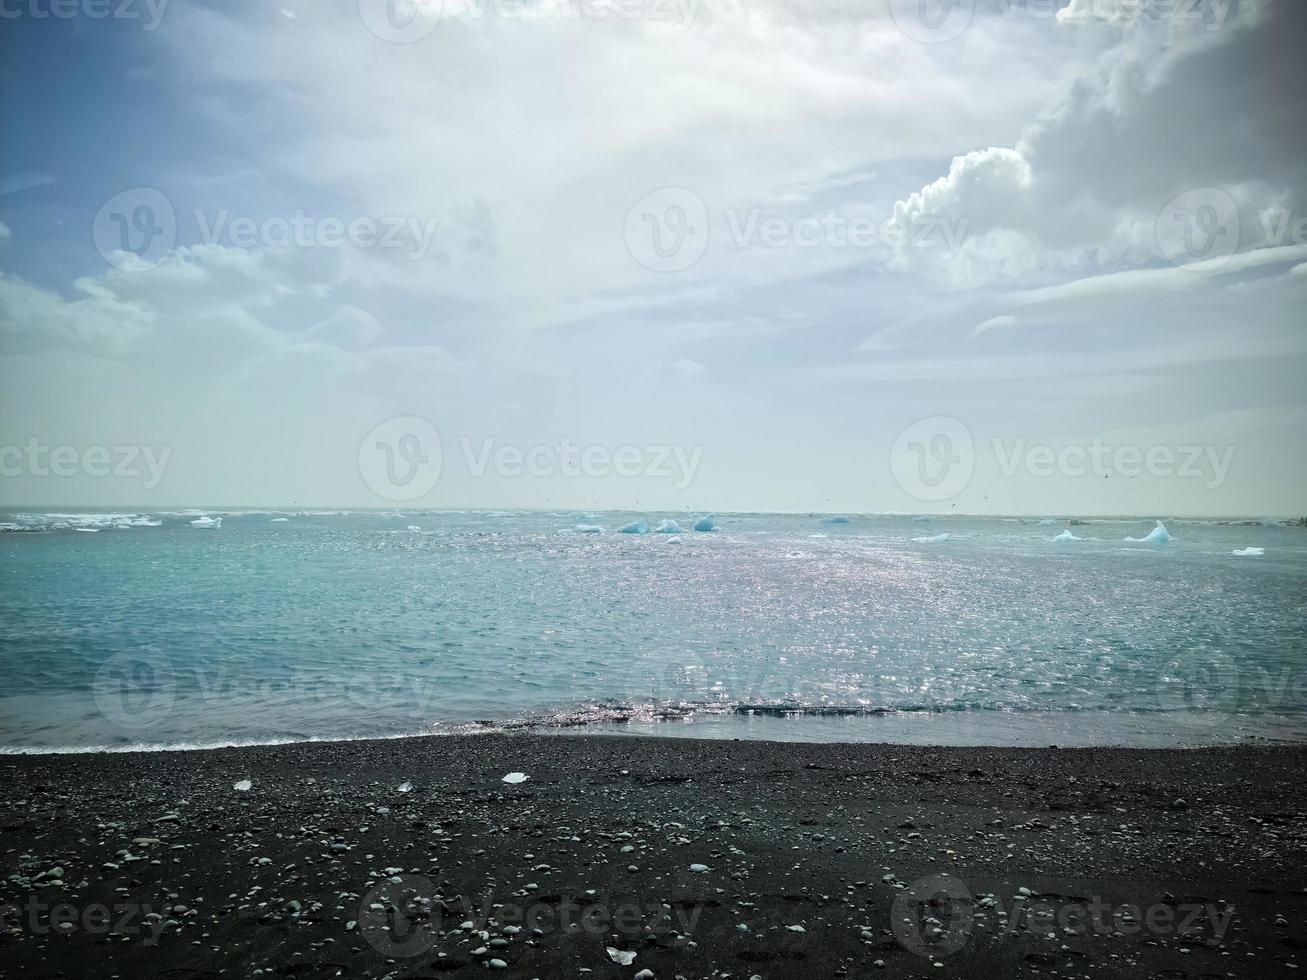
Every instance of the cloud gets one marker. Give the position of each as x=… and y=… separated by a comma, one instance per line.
x=993, y=323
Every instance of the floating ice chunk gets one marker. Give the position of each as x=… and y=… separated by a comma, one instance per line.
x=1249, y=552
x=405, y=787
x=278, y=520
x=838, y=519
x=514, y=778
x=87, y=530
x=921, y=519
x=1048, y=521
x=635, y=527
x=207, y=522
x=705, y=523
x=933, y=539
x=243, y=786
x=588, y=529
x=669, y=527
x=620, y=957
x=674, y=539
x=1157, y=535
x=414, y=527
x=1066, y=535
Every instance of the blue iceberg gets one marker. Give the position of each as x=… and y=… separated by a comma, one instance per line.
x=635, y=527
x=838, y=519
x=669, y=527
x=1157, y=535
x=705, y=523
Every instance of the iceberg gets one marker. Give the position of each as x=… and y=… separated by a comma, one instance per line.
x=669, y=527
x=933, y=539
x=674, y=539
x=1066, y=535
x=1157, y=535
x=278, y=520
x=1249, y=552
x=207, y=522
x=705, y=523
x=588, y=529
x=838, y=519
x=635, y=527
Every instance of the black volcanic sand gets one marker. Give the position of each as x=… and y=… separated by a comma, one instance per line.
x=703, y=858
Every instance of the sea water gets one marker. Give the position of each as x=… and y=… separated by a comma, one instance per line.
x=158, y=629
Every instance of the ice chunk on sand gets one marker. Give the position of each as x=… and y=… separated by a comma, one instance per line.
x=669, y=527
x=516, y=777
x=635, y=527
x=588, y=529
x=207, y=522
x=1066, y=535
x=1249, y=552
x=406, y=787
x=705, y=523
x=244, y=786
x=620, y=957
x=933, y=539
x=1157, y=535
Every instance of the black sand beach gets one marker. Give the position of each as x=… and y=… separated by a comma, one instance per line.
x=701, y=858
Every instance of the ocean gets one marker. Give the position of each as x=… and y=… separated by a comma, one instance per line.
x=191, y=628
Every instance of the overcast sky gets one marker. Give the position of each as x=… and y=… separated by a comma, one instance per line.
x=855, y=255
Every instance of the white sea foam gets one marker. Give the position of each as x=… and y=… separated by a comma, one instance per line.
x=933, y=539
x=1249, y=552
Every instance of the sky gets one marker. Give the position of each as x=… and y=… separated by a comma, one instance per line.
x=1001, y=256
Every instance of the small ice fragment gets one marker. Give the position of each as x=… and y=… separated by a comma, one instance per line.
x=669, y=527
x=674, y=539
x=620, y=956
x=278, y=520
x=698, y=868
x=635, y=527
x=1157, y=535
x=796, y=928
x=705, y=523
x=933, y=539
x=207, y=522
x=244, y=785
x=87, y=530
x=1249, y=552
x=838, y=519
x=516, y=777
x=414, y=527
x=588, y=529
x=406, y=787
x=1066, y=535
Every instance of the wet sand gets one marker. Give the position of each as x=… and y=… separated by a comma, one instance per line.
x=703, y=858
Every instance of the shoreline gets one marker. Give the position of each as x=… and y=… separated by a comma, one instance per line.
x=368, y=858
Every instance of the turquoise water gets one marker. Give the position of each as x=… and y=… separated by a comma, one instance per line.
x=156, y=632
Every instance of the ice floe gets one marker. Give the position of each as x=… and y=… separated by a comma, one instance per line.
x=207, y=522
x=669, y=527
x=1066, y=535
x=635, y=527
x=1249, y=552
x=705, y=523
